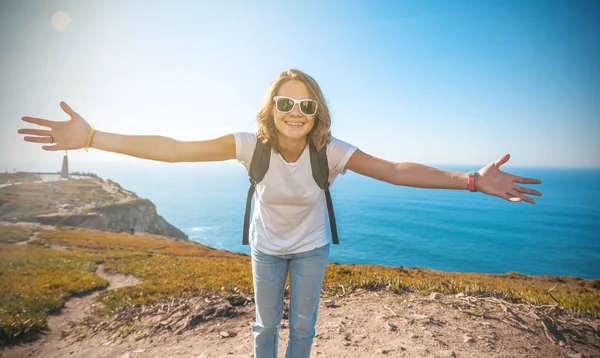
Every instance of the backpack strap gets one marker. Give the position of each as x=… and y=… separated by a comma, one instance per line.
x=258, y=168
x=320, y=171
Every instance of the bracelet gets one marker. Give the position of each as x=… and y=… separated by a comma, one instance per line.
x=88, y=141
x=471, y=181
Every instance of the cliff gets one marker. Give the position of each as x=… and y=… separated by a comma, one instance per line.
x=81, y=201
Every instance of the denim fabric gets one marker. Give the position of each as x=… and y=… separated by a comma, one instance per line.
x=306, y=278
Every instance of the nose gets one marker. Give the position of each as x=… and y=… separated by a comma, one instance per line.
x=296, y=110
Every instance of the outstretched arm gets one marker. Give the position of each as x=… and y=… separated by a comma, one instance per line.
x=489, y=179
x=72, y=134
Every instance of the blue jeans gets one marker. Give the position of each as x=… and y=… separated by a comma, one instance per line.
x=269, y=274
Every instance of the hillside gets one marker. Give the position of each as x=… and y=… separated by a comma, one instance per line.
x=84, y=201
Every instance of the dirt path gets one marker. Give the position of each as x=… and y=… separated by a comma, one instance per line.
x=62, y=322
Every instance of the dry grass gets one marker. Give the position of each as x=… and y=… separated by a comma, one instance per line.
x=35, y=280
x=10, y=234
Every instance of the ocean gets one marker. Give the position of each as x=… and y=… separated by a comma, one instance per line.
x=379, y=223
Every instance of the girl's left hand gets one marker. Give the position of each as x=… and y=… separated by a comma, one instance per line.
x=492, y=181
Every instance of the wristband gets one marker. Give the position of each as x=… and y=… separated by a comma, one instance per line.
x=471, y=181
x=88, y=141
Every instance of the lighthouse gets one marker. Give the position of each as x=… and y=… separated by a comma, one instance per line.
x=64, y=173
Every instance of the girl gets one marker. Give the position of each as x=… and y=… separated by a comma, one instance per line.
x=290, y=228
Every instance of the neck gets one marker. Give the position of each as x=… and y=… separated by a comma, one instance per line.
x=291, y=149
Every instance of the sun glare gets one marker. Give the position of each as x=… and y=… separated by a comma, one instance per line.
x=60, y=21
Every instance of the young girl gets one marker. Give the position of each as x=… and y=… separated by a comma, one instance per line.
x=290, y=227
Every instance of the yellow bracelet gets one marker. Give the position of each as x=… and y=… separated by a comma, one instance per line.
x=88, y=141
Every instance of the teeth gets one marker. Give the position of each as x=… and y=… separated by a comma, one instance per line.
x=295, y=124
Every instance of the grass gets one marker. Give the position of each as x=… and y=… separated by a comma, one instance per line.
x=35, y=280
x=11, y=234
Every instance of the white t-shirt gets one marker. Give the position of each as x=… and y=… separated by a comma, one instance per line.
x=290, y=212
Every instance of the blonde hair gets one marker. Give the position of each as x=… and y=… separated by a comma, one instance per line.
x=319, y=135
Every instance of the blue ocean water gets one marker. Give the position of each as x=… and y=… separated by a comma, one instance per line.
x=379, y=223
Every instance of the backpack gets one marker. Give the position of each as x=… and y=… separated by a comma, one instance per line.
x=259, y=166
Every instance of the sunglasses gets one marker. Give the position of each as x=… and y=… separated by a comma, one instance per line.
x=283, y=104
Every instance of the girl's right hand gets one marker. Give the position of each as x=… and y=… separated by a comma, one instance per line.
x=66, y=135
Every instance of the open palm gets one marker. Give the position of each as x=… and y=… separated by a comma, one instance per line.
x=493, y=181
x=63, y=135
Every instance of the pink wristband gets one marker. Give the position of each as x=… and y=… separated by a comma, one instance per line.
x=471, y=181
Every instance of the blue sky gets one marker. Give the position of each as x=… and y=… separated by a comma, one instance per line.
x=434, y=82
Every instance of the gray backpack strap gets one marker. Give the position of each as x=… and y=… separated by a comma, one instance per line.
x=320, y=171
x=258, y=168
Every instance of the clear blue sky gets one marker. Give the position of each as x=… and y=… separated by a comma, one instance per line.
x=434, y=82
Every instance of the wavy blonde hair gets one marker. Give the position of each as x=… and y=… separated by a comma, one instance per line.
x=319, y=135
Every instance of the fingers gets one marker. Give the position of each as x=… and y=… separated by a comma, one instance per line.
x=68, y=110
x=527, y=190
x=514, y=194
x=39, y=139
x=39, y=121
x=40, y=132
x=509, y=197
x=515, y=197
x=502, y=160
x=527, y=180
x=52, y=148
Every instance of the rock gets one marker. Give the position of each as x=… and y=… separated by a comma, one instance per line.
x=223, y=334
x=561, y=343
x=329, y=303
x=486, y=337
x=392, y=327
x=468, y=339
x=139, y=351
x=453, y=355
x=409, y=305
x=346, y=344
x=459, y=295
x=576, y=355
x=435, y=296
x=413, y=336
x=238, y=300
x=422, y=319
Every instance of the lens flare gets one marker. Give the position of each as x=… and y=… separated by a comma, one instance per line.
x=60, y=21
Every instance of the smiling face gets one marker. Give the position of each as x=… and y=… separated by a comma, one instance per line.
x=294, y=125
